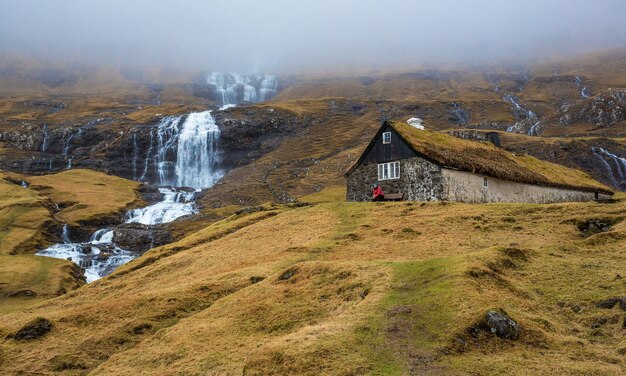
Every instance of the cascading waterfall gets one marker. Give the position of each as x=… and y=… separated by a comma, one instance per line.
x=269, y=87
x=175, y=204
x=522, y=114
x=460, y=113
x=146, y=162
x=233, y=88
x=584, y=91
x=616, y=173
x=98, y=257
x=66, y=150
x=65, y=235
x=184, y=154
x=44, y=143
x=194, y=168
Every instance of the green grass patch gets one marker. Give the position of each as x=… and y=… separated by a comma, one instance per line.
x=416, y=315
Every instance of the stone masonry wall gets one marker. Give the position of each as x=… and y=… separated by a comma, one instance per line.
x=420, y=180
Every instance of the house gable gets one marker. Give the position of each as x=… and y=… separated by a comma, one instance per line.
x=379, y=152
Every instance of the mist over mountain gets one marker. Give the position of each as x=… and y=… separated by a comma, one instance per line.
x=286, y=36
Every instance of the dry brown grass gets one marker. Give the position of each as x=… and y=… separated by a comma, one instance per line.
x=29, y=222
x=349, y=288
x=86, y=195
x=23, y=217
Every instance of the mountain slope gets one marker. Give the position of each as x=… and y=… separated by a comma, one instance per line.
x=350, y=288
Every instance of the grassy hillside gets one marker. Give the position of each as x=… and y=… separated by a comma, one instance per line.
x=23, y=217
x=86, y=196
x=351, y=288
x=31, y=219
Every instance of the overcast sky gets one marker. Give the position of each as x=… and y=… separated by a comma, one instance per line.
x=300, y=36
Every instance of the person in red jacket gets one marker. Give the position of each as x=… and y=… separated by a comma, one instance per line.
x=378, y=193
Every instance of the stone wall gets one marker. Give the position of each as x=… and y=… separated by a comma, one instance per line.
x=420, y=180
x=477, y=135
x=467, y=187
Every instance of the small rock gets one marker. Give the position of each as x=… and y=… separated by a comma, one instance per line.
x=364, y=293
x=599, y=322
x=256, y=279
x=608, y=303
x=499, y=323
x=611, y=302
x=576, y=308
x=288, y=274
x=23, y=293
x=502, y=325
x=34, y=329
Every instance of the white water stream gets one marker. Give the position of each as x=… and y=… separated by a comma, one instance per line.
x=617, y=172
x=183, y=154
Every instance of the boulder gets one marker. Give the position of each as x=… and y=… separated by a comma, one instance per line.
x=33, y=330
x=499, y=323
x=138, y=237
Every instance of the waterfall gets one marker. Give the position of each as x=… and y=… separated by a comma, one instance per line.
x=44, y=143
x=584, y=91
x=460, y=113
x=197, y=156
x=186, y=152
x=182, y=152
x=175, y=204
x=233, y=88
x=65, y=235
x=146, y=162
x=524, y=116
x=269, y=87
x=66, y=150
x=534, y=130
x=167, y=140
x=98, y=257
x=616, y=174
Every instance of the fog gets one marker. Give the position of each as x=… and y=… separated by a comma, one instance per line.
x=299, y=36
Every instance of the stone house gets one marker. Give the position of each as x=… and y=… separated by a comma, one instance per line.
x=422, y=165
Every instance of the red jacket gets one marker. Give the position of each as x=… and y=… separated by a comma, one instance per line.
x=378, y=192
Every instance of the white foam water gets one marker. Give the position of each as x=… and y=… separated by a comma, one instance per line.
x=175, y=204
x=233, y=88
x=186, y=155
x=98, y=257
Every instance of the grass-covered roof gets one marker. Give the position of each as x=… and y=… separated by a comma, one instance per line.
x=486, y=159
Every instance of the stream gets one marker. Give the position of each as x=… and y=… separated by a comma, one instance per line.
x=185, y=158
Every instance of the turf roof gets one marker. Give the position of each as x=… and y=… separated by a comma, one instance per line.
x=486, y=159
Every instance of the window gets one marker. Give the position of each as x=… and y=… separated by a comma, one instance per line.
x=386, y=137
x=485, y=183
x=388, y=171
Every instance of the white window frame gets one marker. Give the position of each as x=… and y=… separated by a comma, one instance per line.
x=485, y=182
x=389, y=171
x=386, y=138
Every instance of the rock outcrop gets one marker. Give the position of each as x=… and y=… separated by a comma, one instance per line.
x=33, y=330
x=604, y=110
